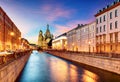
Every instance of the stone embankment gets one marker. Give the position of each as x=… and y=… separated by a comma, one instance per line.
x=108, y=62
x=12, y=64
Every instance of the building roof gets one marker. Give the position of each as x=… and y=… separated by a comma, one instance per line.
x=108, y=7
x=64, y=34
x=79, y=26
x=60, y=37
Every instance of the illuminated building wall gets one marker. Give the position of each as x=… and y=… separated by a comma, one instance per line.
x=1, y=31
x=92, y=36
x=9, y=34
x=108, y=29
x=71, y=40
x=82, y=38
x=60, y=42
x=86, y=38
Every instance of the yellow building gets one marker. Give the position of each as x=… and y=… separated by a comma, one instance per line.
x=10, y=35
x=60, y=42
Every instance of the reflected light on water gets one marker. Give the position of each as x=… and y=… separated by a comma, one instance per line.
x=89, y=76
x=58, y=70
x=62, y=71
x=73, y=73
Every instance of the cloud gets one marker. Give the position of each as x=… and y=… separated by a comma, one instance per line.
x=69, y=26
x=31, y=20
x=22, y=20
x=52, y=13
x=74, y=23
x=59, y=29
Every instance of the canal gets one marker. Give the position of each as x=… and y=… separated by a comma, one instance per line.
x=43, y=67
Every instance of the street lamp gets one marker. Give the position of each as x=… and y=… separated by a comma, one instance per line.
x=19, y=42
x=12, y=34
x=73, y=46
x=89, y=46
x=19, y=38
x=64, y=46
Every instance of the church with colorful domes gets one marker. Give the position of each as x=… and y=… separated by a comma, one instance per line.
x=45, y=41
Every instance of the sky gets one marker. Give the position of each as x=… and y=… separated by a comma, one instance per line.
x=31, y=16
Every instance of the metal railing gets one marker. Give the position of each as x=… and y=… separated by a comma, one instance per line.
x=105, y=55
x=6, y=58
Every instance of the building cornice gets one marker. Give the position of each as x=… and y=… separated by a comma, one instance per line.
x=9, y=18
x=108, y=9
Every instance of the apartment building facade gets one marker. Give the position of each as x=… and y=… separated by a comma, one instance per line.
x=83, y=39
x=86, y=37
x=108, y=29
x=92, y=36
x=72, y=40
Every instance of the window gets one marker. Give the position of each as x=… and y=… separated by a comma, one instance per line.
x=104, y=18
x=116, y=24
x=104, y=38
x=110, y=26
x=111, y=47
x=104, y=47
x=104, y=28
x=100, y=39
x=110, y=15
x=116, y=13
x=97, y=21
x=96, y=30
x=100, y=29
x=100, y=19
x=0, y=14
x=116, y=37
x=111, y=37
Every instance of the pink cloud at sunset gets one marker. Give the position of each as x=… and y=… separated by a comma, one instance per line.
x=52, y=13
x=31, y=16
x=60, y=29
x=69, y=26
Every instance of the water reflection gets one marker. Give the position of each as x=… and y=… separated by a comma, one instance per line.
x=89, y=76
x=62, y=71
x=43, y=67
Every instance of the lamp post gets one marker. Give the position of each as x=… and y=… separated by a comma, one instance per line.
x=12, y=34
x=19, y=43
x=73, y=46
x=89, y=46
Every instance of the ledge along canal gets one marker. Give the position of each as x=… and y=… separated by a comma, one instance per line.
x=44, y=67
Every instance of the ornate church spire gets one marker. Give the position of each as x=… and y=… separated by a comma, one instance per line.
x=47, y=26
x=40, y=38
x=46, y=40
x=47, y=33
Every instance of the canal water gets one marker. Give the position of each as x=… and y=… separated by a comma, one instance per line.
x=44, y=67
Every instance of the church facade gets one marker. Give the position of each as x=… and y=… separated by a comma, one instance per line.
x=45, y=40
